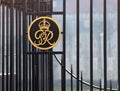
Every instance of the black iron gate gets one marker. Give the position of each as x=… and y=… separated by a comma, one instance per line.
x=25, y=68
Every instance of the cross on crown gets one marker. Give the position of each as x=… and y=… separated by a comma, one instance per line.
x=44, y=24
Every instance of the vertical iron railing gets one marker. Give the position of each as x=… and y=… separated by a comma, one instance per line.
x=25, y=88
x=77, y=43
x=71, y=78
x=12, y=46
x=17, y=60
x=63, y=78
x=7, y=47
x=91, y=45
x=20, y=48
x=118, y=44
x=3, y=33
x=105, y=46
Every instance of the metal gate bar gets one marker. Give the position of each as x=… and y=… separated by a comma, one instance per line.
x=17, y=60
x=77, y=43
x=63, y=83
x=105, y=47
x=91, y=45
x=118, y=44
x=11, y=46
x=20, y=48
x=25, y=86
x=7, y=37
x=3, y=48
x=30, y=63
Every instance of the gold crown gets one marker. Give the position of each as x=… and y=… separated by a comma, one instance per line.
x=44, y=24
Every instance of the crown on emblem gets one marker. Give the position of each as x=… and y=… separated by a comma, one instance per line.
x=44, y=24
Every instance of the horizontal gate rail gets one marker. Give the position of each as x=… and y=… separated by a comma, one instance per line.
x=45, y=52
x=44, y=13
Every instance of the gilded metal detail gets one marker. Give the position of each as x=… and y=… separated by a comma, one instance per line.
x=44, y=33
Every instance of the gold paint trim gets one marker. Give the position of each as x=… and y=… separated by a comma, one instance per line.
x=31, y=26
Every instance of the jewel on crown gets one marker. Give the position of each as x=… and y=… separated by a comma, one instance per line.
x=44, y=24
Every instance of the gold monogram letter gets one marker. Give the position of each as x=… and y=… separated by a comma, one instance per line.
x=44, y=35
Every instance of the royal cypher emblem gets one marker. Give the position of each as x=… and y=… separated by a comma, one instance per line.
x=44, y=33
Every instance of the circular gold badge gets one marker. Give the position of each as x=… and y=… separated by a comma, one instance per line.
x=44, y=33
